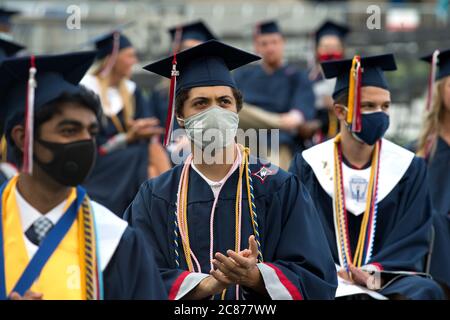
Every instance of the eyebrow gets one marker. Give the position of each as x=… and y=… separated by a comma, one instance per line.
x=69, y=122
x=373, y=103
x=199, y=98
x=225, y=96
x=207, y=98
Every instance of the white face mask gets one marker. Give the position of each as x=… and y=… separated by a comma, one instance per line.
x=215, y=127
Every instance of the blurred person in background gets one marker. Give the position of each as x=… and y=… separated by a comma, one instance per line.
x=273, y=86
x=434, y=146
x=123, y=140
x=329, y=40
x=8, y=165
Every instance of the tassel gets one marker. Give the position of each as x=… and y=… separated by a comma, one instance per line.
x=177, y=40
x=112, y=59
x=29, y=119
x=171, y=106
x=3, y=149
x=354, y=96
x=173, y=85
x=432, y=79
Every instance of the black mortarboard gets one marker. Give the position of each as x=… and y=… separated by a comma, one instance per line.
x=267, y=27
x=443, y=63
x=331, y=28
x=55, y=75
x=106, y=42
x=193, y=31
x=6, y=15
x=8, y=48
x=208, y=64
x=372, y=72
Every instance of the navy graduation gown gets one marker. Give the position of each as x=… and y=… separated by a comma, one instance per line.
x=158, y=102
x=116, y=176
x=403, y=217
x=285, y=89
x=132, y=273
x=439, y=184
x=322, y=87
x=2, y=178
x=290, y=232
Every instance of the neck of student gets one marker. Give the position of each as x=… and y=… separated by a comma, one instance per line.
x=114, y=79
x=445, y=127
x=223, y=161
x=356, y=152
x=272, y=67
x=42, y=193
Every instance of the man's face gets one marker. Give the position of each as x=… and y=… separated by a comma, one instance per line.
x=270, y=47
x=202, y=98
x=74, y=123
x=329, y=45
x=373, y=99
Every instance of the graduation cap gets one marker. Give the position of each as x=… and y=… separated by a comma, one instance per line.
x=8, y=49
x=331, y=28
x=208, y=64
x=29, y=83
x=266, y=27
x=440, y=68
x=191, y=31
x=352, y=74
x=112, y=42
x=6, y=15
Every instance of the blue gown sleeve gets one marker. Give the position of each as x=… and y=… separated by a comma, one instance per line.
x=2, y=178
x=296, y=166
x=303, y=98
x=132, y=273
x=142, y=109
x=153, y=230
x=406, y=246
x=155, y=103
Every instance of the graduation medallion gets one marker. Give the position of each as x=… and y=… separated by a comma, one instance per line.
x=358, y=188
x=263, y=173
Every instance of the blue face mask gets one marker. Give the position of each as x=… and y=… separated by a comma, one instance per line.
x=374, y=126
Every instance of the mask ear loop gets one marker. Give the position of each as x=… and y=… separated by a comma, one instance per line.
x=181, y=120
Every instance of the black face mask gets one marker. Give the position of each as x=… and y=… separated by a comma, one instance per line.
x=374, y=126
x=72, y=162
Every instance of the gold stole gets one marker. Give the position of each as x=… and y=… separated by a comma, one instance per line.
x=63, y=277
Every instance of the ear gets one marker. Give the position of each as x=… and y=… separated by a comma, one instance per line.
x=180, y=120
x=18, y=136
x=340, y=111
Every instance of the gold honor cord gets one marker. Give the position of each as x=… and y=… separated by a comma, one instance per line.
x=341, y=215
